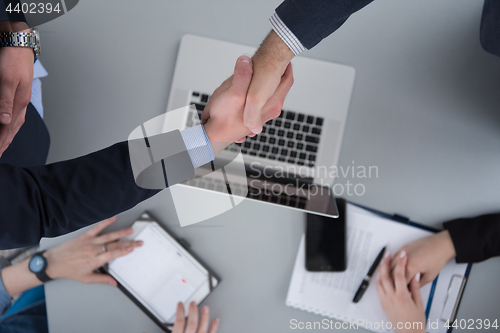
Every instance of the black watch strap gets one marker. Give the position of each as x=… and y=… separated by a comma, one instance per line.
x=42, y=275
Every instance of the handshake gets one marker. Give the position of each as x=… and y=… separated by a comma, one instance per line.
x=244, y=102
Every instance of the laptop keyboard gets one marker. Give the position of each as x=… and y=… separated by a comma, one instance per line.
x=292, y=137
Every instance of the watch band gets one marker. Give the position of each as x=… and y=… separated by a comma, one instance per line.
x=42, y=275
x=21, y=39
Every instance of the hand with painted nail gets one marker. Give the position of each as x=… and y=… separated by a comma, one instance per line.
x=76, y=259
x=194, y=325
x=224, y=115
x=427, y=256
x=402, y=305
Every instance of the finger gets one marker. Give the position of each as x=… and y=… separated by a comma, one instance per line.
x=399, y=273
x=385, y=276
x=22, y=97
x=96, y=230
x=272, y=108
x=124, y=244
x=415, y=291
x=205, y=115
x=242, y=76
x=112, y=236
x=101, y=279
x=395, y=259
x=107, y=256
x=241, y=140
x=263, y=85
x=204, y=320
x=7, y=93
x=380, y=287
x=215, y=326
x=426, y=278
x=192, y=322
x=7, y=133
x=180, y=319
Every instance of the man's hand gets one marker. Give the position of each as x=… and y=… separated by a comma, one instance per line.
x=78, y=258
x=223, y=115
x=427, y=256
x=192, y=321
x=269, y=64
x=401, y=305
x=16, y=77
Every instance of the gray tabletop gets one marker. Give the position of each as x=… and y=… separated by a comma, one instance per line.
x=424, y=111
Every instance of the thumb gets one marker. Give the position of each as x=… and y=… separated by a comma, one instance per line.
x=101, y=278
x=7, y=93
x=415, y=291
x=242, y=76
x=264, y=83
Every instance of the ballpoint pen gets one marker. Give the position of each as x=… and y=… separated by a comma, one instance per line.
x=366, y=281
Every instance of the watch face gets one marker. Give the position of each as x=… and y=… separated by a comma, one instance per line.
x=36, y=264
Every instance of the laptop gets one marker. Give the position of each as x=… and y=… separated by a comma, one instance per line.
x=290, y=164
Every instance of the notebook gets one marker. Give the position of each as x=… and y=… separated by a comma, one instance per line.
x=161, y=273
x=331, y=294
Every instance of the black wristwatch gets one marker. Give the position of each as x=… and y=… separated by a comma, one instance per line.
x=38, y=266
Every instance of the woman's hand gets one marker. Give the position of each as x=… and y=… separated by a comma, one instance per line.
x=404, y=308
x=427, y=256
x=192, y=321
x=78, y=258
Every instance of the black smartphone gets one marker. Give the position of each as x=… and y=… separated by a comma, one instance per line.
x=326, y=243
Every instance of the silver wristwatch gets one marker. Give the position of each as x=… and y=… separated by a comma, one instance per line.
x=22, y=39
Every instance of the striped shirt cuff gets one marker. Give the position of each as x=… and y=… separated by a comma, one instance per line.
x=198, y=146
x=286, y=34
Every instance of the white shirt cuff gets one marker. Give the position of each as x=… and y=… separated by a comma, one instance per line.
x=286, y=35
x=198, y=146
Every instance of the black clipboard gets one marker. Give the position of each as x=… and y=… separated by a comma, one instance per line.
x=461, y=283
x=147, y=217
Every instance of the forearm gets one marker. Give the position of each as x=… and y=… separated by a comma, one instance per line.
x=18, y=278
x=273, y=52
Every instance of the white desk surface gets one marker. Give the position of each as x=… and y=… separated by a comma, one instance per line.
x=424, y=111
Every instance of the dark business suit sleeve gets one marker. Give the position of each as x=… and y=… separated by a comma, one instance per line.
x=475, y=239
x=51, y=200
x=312, y=20
x=490, y=27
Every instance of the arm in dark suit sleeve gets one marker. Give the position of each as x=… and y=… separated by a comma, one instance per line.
x=12, y=16
x=475, y=239
x=490, y=27
x=59, y=198
x=312, y=20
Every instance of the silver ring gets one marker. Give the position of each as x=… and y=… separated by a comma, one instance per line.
x=104, y=248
